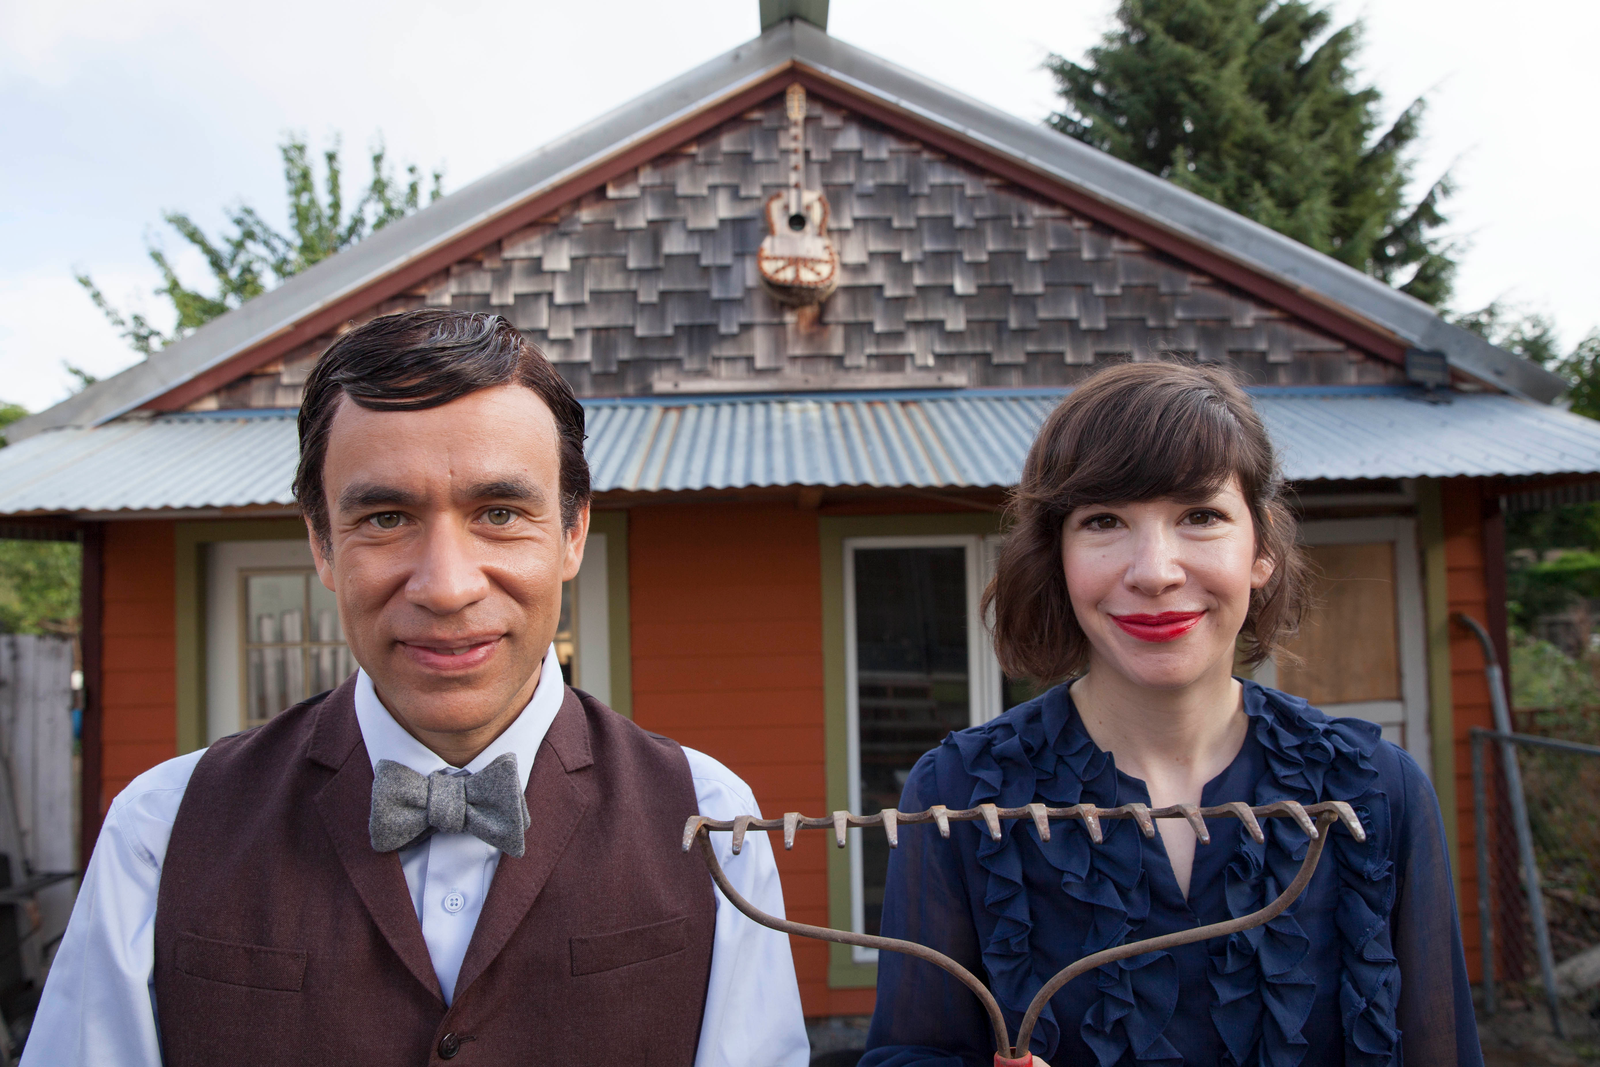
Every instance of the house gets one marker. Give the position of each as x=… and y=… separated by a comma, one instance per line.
x=796, y=503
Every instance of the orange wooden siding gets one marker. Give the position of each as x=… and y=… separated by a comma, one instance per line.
x=726, y=615
x=140, y=656
x=1469, y=594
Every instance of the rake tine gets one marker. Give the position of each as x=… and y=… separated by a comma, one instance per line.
x=1248, y=817
x=1192, y=815
x=741, y=823
x=692, y=828
x=941, y=815
x=841, y=826
x=791, y=823
x=1041, y=821
x=1300, y=816
x=891, y=821
x=1091, y=821
x=991, y=819
x=1347, y=816
x=1141, y=815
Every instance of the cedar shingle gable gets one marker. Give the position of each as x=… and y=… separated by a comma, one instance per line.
x=949, y=276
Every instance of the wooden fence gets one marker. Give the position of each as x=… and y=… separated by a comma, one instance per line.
x=37, y=793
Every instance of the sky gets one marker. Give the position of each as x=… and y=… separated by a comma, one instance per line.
x=113, y=111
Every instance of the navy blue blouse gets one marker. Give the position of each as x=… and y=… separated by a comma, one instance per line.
x=1319, y=985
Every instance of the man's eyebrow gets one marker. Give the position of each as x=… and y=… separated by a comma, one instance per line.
x=364, y=495
x=509, y=489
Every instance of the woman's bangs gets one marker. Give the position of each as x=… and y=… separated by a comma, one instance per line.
x=1182, y=450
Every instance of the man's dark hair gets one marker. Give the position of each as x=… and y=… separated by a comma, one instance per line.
x=425, y=359
x=1137, y=432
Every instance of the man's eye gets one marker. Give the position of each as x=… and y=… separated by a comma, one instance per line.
x=498, y=516
x=387, y=521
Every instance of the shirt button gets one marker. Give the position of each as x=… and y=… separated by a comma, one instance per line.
x=454, y=901
x=449, y=1045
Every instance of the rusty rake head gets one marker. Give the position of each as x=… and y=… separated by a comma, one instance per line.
x=891, y=820
x=1313, y=819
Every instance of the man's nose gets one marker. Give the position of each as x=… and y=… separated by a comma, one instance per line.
x=447, y=578
x=1156, y=566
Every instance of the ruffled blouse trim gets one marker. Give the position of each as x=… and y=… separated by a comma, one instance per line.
x=1040, y=751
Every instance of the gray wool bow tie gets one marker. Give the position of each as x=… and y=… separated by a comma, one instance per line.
x=407, y=807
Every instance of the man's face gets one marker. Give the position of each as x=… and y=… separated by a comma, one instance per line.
x=447, y=557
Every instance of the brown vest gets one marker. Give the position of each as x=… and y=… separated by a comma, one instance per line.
x=281, y=937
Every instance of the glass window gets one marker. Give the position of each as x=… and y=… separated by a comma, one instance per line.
x=913, y=683
x=566, y=641
x=293, y=642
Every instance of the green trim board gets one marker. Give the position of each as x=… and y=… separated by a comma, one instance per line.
x=843, y=971
x=1436, y=609
x=189, y=601
x=614, y=525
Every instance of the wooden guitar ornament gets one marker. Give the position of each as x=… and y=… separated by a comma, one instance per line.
x=797, y=261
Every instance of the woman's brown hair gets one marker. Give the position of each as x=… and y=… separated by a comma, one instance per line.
x=1136, y=432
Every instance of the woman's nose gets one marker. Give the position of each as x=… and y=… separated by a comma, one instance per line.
x=1156, y=566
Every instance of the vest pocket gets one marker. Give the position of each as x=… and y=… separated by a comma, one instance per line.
x=253, y=966
x=606, y=952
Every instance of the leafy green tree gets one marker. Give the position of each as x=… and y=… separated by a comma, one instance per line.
x=38, y=579
x=1532, y=335
x=1255, y=104
x=254, y=256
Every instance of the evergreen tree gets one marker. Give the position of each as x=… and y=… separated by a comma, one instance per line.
x=1254, y=104
x=255, y=256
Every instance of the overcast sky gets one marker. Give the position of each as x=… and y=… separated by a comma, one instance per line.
x=112, y=111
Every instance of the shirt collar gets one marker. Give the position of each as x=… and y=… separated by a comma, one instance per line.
x=387, y=739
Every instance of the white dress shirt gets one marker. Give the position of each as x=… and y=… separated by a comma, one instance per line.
x=98, y=1006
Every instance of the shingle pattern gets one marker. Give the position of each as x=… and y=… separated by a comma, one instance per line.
x=947, y=274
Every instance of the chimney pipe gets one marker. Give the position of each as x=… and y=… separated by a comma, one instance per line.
x=812, y=11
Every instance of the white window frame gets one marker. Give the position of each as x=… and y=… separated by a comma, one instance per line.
x=1411, y=710
x=982, y=666
x=227, y=561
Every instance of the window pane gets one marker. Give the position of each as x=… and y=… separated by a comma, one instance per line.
x=1349, y=642
x=566, y=641
x=324, y=613
x=912, y=677
x=275, y=605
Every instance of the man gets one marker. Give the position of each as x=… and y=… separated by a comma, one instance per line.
x=452, y=854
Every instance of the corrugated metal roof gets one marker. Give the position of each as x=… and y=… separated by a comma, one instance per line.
x=974, y=439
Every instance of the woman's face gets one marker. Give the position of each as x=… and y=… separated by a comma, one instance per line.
x=1161, y=587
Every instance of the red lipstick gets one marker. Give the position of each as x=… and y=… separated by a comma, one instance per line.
x=1167, y=626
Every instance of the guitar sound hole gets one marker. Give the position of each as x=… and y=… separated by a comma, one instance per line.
x=797, y=222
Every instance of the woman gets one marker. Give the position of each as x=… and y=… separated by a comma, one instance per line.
x=1150, y=547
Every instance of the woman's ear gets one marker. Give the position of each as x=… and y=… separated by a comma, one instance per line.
x=1262, y=570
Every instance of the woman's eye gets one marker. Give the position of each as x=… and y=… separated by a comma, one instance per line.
x=387, y=521
x=498, y=516
x=1100, y=522
x=1203, y=517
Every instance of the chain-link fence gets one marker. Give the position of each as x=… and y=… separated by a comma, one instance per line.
x=1526, y=935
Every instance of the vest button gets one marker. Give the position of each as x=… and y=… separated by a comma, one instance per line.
x=449, y=1045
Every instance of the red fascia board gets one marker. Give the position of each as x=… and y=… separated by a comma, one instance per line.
x=1353, y=331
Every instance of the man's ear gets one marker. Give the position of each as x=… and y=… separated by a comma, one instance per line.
x=575, y=539
x=321, y=556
